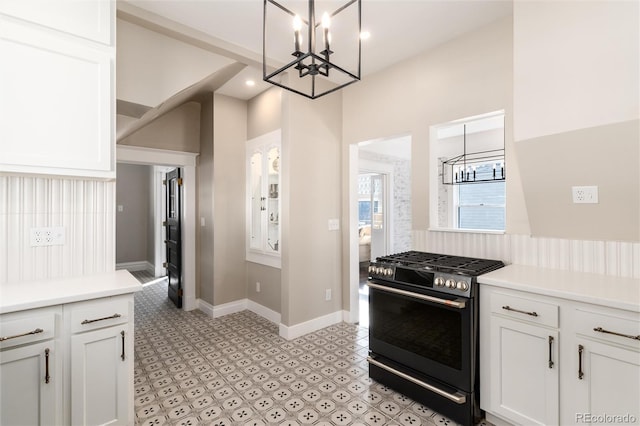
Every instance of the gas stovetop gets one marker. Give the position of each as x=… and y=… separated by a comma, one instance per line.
x=439, y=272
x=442, y=263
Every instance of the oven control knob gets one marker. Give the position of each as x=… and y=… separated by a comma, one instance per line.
x=439, y=282
x=462, y=285
x=388, y=272
x=450, y=284
x=371, y=269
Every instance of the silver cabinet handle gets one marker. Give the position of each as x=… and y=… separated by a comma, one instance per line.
x=460, y=304
x=457, y=397
x=100, y=319
x=122, y=355
x=36, y=331
x=46, y=365
x=509, y=308
x=580, y=373
x=628, y=336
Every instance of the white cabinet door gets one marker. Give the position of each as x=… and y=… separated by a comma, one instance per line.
x=100, y=376
x=56, y=104
x=606, y=382
x=30, y=385
x=524, y=375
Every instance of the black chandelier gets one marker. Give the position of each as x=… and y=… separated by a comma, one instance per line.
x=326, y=52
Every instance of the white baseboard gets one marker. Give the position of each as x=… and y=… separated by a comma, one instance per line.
x=286, y=332
x=297, y=330
x=222, y=310
x=141, y=265
x=263, y=311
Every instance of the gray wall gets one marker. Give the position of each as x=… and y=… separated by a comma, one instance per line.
x=133, y=193
x=264, y=115
x=230, y=136
x=204, y=234
x=178, y=130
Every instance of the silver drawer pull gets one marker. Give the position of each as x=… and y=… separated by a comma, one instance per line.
x=100, y=319
x=36, y=331
x=628, y=336
x=509, y=308
x=457, y=397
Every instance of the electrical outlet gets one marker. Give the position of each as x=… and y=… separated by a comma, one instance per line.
x=327, y=294
x=257, y=286
x=585, y=194
x=53, y=236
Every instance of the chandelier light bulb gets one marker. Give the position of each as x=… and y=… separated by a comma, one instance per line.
x=297, y=36
x=326, y=20
x=326, y=36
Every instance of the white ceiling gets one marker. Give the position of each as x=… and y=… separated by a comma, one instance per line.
x=399, y=28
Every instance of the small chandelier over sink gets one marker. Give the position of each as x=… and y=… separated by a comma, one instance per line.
x=322, y=53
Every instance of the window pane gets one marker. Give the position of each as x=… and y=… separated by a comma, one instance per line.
x=481, y=217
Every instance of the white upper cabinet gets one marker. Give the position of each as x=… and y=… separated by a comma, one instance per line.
x=57, y=87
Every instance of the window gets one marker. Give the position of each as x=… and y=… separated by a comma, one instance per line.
x=468, y=190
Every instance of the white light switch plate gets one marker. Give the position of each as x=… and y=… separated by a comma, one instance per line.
x=334, y=224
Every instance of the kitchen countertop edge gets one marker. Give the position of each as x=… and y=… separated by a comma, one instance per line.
x=576, y=286
x=22, y=296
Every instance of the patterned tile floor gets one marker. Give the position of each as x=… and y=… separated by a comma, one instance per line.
x=236, y=370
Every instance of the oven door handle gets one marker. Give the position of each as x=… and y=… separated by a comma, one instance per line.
x=460, y=304
x=457, y=397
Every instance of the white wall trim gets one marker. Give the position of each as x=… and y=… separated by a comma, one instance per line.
x=141, y=265
x=222, y=310
x=287, y=332
x=263, y=311
x=187, y=161
x=350, y=317
x=297, y=330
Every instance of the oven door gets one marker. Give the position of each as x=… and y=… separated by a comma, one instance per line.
x=429, y=332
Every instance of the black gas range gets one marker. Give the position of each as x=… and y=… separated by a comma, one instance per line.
x=423, y=329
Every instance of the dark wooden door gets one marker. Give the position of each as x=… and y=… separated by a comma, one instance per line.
x=173, y=235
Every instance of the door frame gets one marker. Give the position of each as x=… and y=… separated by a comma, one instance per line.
x=186, y=161
x=386, y=170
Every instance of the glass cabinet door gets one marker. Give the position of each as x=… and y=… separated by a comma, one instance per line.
x=257, y=201
x=264, y=243
x=273, y=206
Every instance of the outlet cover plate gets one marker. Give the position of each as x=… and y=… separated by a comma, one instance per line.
x=585, y=194
x=50, y=236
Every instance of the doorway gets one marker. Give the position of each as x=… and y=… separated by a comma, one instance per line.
x=161, y=160
x=380, y=211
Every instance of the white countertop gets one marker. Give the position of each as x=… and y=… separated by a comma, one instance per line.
x=38, y=294
x=604, y=290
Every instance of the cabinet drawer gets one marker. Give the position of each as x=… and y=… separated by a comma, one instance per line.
x=525, y=309
x=619, y=327
x=27, y=327
x=99, y=313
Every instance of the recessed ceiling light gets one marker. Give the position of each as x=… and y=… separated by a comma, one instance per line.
x=364, y=35
x=250, y=83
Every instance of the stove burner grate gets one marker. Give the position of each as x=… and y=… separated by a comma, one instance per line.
x=443, y=263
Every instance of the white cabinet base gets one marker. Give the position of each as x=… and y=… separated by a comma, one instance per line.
x=99, y=371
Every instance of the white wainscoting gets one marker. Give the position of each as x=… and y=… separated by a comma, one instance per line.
x=86, y=210
x=621, y=259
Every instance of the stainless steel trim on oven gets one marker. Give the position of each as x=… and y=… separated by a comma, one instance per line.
x=457, y=397
x=458, y=303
